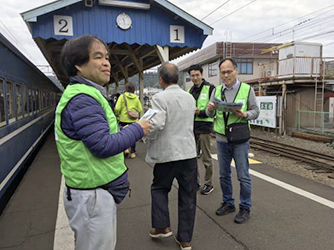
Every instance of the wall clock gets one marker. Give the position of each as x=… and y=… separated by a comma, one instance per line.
x=124, y=21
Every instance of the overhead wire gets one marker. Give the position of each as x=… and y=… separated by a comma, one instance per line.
x=270, y=29
x=316, y=35
x=303, y=30
x=10, y=34
x=215, y=10
x=296, y=27
x=232, y=12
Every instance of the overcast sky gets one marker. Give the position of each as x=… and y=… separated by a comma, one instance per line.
x=260, y=21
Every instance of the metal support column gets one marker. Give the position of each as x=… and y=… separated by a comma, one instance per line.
x=282, y=125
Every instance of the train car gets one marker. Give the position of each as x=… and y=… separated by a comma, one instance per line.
x=27, y=104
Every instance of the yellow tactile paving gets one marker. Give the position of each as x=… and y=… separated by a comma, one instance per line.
x=251, y=161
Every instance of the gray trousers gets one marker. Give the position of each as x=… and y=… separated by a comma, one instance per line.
x=92, y=217
x=205, y=143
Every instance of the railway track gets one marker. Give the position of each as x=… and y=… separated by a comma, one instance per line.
x=321, y=161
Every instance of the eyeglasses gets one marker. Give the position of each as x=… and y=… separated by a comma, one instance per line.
x=227, y=72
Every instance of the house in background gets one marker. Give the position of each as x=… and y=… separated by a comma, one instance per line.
x=303, y=80
x=248, y=56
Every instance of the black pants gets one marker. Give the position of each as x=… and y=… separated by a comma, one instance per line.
x=185, y=171
x=133, y=146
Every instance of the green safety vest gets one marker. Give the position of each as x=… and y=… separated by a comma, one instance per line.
x=81, y=169
x=202, y=102
x=242, y=96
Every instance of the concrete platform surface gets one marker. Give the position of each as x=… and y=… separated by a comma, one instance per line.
x=289, y=212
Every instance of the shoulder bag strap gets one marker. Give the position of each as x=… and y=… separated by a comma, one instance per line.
x=224, y=113
x=126, y=104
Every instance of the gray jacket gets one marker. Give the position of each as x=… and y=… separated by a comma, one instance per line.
x=172, y=136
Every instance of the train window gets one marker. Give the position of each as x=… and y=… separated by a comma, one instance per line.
x=2, y=105
x=25, y=100
x=48, y=100
x=18, y=101
x=45, y=101
x=37, y=101
x=10, y=102
x=53, y=99
x=41, y=99
x=213, y=69
x=31, y=101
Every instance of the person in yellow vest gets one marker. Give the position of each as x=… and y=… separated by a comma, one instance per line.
x=90, y=145
x=232, y=136
x=201, y=91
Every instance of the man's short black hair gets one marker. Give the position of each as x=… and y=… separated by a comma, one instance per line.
x=232, y=60
x=76, y=52
x=169, y=73
x=195, y=67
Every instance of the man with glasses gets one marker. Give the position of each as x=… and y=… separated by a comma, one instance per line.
x=201, y=91
x=233, y=91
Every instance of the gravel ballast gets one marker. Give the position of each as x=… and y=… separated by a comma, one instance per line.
x=290, y=165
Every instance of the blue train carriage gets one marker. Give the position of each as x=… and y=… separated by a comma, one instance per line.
x=27, y=103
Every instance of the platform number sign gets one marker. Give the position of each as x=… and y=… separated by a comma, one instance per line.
x=63, y=25
x=176, y=34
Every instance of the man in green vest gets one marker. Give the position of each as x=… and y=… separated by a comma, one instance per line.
x=232, y=145
x=90, y=146
x=201, y=91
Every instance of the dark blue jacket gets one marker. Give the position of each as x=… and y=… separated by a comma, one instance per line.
x=83, y=119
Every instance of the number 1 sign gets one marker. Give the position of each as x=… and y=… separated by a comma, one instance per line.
x=176, y=34
x=63, y=25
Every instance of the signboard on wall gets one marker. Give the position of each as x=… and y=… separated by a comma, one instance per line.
x=267, y=106
x=177, y=34
x=63, y=25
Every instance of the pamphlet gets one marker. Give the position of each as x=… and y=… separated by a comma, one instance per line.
x=149, y=114
x=227, y=106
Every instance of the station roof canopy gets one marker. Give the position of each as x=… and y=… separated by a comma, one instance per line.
x=140, y=33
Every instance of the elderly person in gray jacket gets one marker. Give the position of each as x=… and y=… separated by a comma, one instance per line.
x=172, y=149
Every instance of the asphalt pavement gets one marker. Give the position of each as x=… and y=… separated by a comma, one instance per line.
x=289, y=212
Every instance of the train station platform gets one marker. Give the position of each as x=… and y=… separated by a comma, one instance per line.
x=289, y=212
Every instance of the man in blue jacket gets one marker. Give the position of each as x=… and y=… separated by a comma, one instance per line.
x=90, y=145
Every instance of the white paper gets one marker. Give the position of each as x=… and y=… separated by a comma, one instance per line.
x=149, y=114
x=227, y=106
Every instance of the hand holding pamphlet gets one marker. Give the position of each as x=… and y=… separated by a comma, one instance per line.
x=227, y=106
x=149, y=114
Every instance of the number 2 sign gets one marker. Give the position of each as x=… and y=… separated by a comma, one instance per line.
x=63, y=25
x=176, y=34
